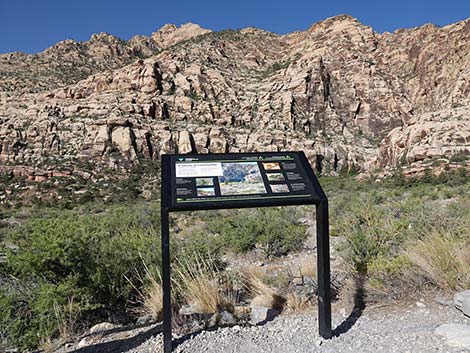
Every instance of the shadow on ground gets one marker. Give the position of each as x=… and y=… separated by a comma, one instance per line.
x=356, y=313
x=121, y=345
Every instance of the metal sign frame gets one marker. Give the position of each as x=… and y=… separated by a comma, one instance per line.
x=313, y=196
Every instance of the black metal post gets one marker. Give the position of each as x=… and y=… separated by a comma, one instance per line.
x=165, y=226
x=323, y=270
x=167, y=341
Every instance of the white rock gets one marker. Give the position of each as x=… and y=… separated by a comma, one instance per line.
x=104, y=326
x=466, y=308
x=456, y=335
x=86, y=341
x=462, y=301
x=184, y=143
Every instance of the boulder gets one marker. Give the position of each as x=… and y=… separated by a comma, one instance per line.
x=146, y=319
x=462, y=301
x=86, y=341
x=262, y=314
x=169, y=34
x=456, y=335
x=227, y=319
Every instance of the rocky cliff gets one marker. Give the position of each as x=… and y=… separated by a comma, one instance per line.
x=346, y=95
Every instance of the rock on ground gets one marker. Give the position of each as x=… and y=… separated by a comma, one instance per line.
x=456, y=335
x=462, y=301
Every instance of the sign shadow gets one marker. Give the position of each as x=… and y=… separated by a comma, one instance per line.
x=358, y=309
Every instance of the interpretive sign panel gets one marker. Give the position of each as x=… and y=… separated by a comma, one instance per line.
x=240, y=180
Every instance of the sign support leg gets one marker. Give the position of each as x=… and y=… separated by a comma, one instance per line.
x=166, y=282
x=323, y=270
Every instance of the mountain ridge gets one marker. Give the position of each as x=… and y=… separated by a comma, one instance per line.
x=349, y=97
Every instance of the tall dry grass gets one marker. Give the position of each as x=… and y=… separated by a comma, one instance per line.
x=199, y=283
x=444, y=259
x=67, y=318
x=298, y=303
x=153, y=299
x=263, y=294
x=151, y=295
x=308, y=268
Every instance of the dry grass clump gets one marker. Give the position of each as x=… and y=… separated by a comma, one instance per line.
x=67, y=323
x=262, y=293
x=151, y=296
x=308, y=268
x=443, y=259
x=199, y=284
x=67, y=318
x=298, y=303
x=255, y=281
x=153, y=299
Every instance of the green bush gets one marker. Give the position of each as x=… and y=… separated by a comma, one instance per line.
x=75, y=267
x=370, y=231
x=33, y=314
x=383, y=221
x=90, y=259
x=199, y=245
x=273, y=230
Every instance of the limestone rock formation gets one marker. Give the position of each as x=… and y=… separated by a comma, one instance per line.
x=347, y=96
x=169, y=34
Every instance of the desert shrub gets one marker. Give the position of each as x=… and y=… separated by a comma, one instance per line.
x=275, y=231
x=388, y=227
x=454, y=177
x=459, y=157
x=370, y=232
x=274, y=68
x=60, y=256
x=200, y=244
x=41, y=311
x=391, y=277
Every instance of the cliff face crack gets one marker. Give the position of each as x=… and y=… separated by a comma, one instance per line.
x=325, y=79
x=357, y=111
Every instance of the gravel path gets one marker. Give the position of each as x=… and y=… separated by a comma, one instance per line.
x=391, y=329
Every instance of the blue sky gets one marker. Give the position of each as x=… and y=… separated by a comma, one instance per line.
x=33, y=25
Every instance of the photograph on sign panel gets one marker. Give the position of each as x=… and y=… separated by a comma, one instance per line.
x=205, y=192
x=275, y=176
x=279, y=188
x=204, y=181
x=241, y=178
x=271, y=166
